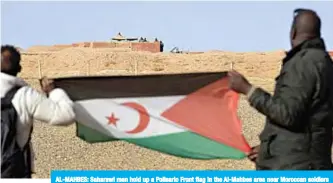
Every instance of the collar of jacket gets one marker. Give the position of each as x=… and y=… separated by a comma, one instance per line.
x=317, y=43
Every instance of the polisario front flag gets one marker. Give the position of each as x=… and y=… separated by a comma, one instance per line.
x=188, y=115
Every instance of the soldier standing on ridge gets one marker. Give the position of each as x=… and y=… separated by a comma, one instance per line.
x=161, y=46
x=298, y=129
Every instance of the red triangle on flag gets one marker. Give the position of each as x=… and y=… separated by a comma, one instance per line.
x=211, y=112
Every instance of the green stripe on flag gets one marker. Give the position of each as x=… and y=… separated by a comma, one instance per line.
x=184, y=144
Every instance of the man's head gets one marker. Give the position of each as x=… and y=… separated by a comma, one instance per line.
x=10, y=60
x=306, y=25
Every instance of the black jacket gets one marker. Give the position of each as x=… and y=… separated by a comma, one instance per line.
x=298, y=130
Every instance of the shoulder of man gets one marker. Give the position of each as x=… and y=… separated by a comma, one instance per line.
x=315, y=55
x=25, y=99
x=26, y=93
x=30, y=102
x=28, y=96
x=311, y=58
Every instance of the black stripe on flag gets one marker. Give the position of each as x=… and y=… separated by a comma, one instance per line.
x=81, y=88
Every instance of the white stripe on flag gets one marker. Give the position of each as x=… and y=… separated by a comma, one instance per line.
x=99, y=109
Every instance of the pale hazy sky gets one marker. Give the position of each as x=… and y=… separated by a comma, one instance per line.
x=195, y=26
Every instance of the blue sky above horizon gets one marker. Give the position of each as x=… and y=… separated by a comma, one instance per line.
x=193, y=26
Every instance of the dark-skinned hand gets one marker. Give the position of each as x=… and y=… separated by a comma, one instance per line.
x=47, y=85
x=253, y=154
x=238, y=82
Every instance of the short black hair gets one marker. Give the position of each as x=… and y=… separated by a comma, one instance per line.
x=14, y=59
x=302, y=10
x=15, y=56
x=312, y=27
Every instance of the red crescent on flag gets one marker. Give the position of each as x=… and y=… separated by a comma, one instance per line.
x=143, y=115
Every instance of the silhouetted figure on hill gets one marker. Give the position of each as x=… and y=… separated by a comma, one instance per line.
x=161, y=46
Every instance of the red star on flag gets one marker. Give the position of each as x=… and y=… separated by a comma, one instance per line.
x=112, y=120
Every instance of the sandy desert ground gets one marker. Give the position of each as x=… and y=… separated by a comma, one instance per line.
x=58, y=148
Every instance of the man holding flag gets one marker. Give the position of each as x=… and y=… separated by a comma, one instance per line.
x=21, y=105
x=298, y=130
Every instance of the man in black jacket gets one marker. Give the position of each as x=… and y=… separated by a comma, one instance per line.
x=298, y=130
